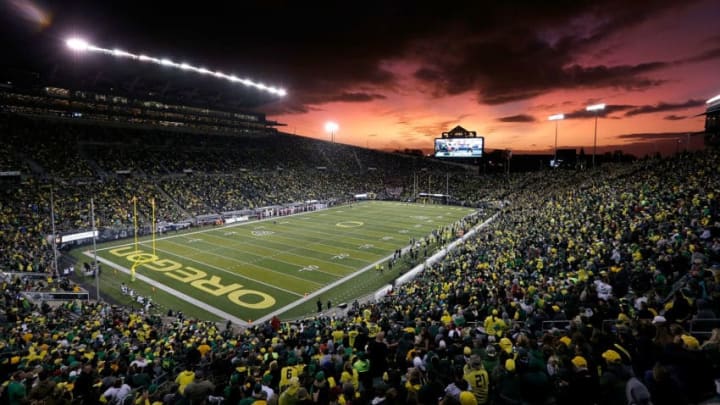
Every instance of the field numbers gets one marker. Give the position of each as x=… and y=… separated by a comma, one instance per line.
x=340, y=256
x=387, y=237
x=230, y=233
x=366, y=246
x=403, y=231
x=262, y=233
x=194, y=240
x=310, y=267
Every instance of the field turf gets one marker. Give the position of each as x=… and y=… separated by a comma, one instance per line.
x=254, y=269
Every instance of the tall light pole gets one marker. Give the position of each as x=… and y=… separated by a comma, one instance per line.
x=94, y=231
x=557, y=118
x=331, y=127
x=54, y=235
x=595, y=108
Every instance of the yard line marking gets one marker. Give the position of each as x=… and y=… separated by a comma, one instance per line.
x=261, y=258
x=229, y=272
x=254, y=264
x=289, y=251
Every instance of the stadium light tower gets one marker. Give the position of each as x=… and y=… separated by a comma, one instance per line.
x=556, y=118
x=331, y=127
x=596, y=108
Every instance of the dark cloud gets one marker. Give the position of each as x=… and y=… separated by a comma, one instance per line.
x=663, y=107
x=703, y=56
x=673, y=117
x=654, y=136
x=633, y=110
x=529, y=57
x=503, y=51
x=437, y=128
x=357, y=97
x=517, y=118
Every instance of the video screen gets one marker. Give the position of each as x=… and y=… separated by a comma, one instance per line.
x=459, y=147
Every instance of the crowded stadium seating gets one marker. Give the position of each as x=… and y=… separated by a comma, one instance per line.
x=590, y=287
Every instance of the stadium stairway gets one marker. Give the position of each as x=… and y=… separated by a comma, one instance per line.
x=168, y=197
x=357, y=159
x=99, y=171
x=34, y=166
x=325, y=157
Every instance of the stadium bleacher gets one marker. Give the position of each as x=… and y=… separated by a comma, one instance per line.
x=590, y=287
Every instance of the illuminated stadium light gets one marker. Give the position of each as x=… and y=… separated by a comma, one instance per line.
x=714, y=99
x=556, y=118
x=77, y=44
x=81, y=45
x=330, y=128
x=596, y=108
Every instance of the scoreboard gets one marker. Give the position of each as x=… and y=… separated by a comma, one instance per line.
x=459, y=147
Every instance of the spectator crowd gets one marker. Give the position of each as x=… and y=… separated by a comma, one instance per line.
x=590, y=287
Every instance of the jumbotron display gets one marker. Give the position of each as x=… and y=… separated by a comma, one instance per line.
x=459, y=147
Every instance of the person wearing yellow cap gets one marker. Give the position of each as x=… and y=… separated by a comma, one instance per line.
x=614, y=377
x=582, y=385
x=690, y=342
x=566, y=341
x=506, y=345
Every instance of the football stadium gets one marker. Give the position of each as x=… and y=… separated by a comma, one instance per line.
x=206, y=210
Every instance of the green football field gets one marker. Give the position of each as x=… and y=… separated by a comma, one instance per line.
x=253, y=270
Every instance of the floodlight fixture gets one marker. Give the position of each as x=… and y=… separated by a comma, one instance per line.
x=81, y=45
x=331, y=126
x=77, y=44
x=556, y=117
x=595, y=107
x=714, y=99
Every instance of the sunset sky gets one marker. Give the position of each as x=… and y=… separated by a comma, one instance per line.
x=397, y=74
